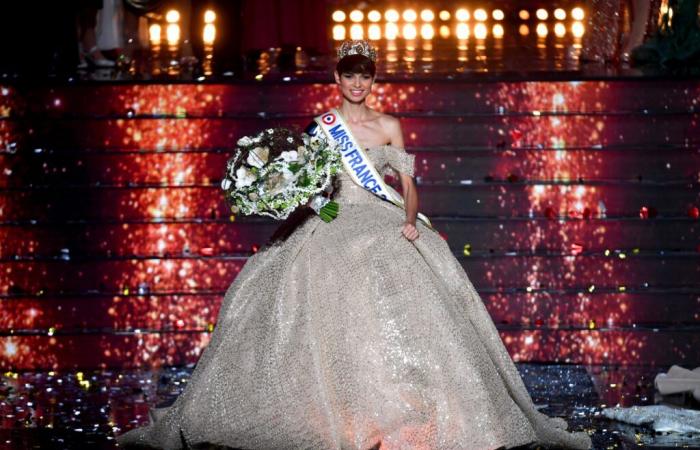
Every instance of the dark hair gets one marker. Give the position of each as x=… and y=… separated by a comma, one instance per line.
x=356, y=64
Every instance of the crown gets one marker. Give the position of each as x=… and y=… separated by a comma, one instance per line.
x=357, y=47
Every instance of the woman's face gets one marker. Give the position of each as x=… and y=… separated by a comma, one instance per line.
x=354, y=86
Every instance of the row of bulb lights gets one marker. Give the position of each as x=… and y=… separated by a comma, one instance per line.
x=409, y=31
x=172, y=29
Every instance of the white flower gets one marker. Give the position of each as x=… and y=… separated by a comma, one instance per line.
x=245, y=141
x=225, y=184
x=289, y=156
x=270, y=131
x=258, y=156
x=280, y=181
x=244, y=177
x=257, y=139
x=290, y=139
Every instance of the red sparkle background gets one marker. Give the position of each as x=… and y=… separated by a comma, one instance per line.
x=570, y=205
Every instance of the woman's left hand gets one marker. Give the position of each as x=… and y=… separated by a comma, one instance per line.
x=410, y=231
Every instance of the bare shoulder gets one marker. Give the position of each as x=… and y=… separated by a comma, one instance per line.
x=389, y=122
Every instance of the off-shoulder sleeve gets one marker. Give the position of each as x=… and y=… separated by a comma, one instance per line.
x=400, y=160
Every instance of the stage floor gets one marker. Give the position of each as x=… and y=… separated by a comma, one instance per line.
x=82, y=410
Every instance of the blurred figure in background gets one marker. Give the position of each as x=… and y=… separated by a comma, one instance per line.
x=88, y=51
x=616, y=27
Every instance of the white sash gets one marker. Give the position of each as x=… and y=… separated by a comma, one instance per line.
x=356, y=162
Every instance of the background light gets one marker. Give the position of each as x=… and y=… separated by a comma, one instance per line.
x=410, y=15
x=209, y=34
x=497, y=14
x=338, y=16
x=427, y=31
x=577, y=13
x=444, y=31
x=391, y=15
x=356, y=16
x=154, y=34
x=374, y=16
x=542, y=30
x=172, y=16
x=559, y=14
x=462, y=15
x=357, y=32
x=374, y=32
x=427, y=15
x=524, y=14
x=577, y=29
x=480, y=31
x=498, y=31
x=172, y=33
x=524, y=30
x=391, y=31
x=209, y=16
x=480, y=15
x=462, y=31
x=409, y=31
x=445, y=15
x=339, y=32
x=559, y=29
x=542, y=14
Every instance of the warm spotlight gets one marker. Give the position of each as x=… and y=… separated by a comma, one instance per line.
x=209, y=16
x=357, y=32
x=209, y=34
x=444, y=15
x=542, y=14
x=172, y=33
x=172, y=16
x=559, y=29
x=524, y=30
x=427, y=31
x=480, y=15
x=374, y=16
x=542, y=30
x=154, y=34
x=577, y=29
x=338, y=16
x=391, y=31
x=480, y=31
x=524, y=14
x=577, y=14
x=427, y=15
x=497, y=31
x=391, y=15
x=339, y=32
x=497, y=14
x=410, y=15
x=409, y=31
x=356, y=15
x=462, y=31
x=462, y=15
x=444, y=31
x=374, y=32
x=559, y=14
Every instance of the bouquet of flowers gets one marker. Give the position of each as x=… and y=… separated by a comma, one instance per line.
x=274, y=172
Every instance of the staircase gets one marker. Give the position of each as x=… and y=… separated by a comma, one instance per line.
x=572, y=205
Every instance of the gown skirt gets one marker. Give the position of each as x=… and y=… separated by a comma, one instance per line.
x=344, y=334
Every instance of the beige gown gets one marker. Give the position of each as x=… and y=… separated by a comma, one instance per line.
x=345, y=334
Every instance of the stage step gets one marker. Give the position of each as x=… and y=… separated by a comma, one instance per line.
x=572, y=205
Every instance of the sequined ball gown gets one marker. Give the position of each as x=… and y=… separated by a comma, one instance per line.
x=345, y=334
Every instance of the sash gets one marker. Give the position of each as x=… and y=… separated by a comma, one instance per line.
x=355, y=160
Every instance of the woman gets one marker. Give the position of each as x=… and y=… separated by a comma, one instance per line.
x=360, y=333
